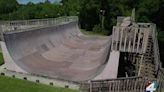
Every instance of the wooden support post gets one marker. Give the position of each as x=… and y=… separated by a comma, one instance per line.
x=125, y=41
x=121, y=32
x=134, y=39
x=138, y=43
x=146, y=40
x=140, y=66
x=129, y=46
x=117, y=33
x=113, y=33
x=143, y=42
x=116, y=38
x=90, y=88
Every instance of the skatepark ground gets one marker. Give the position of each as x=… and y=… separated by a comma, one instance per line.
x=59, y=51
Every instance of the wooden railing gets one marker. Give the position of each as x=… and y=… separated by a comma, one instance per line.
x=20, y=25
x=133, y=84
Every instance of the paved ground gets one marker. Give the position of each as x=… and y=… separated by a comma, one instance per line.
x=58, y=51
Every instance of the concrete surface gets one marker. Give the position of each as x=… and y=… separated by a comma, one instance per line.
x=57, y=51
x=111, y=69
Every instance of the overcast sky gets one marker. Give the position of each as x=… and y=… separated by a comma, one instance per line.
x=34, y=1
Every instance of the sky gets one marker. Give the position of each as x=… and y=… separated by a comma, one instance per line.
x=34, y=1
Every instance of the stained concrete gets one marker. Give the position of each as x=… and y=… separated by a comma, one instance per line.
x=58, y=51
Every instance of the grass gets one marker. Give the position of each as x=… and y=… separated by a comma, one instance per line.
x=92, y=32
x=8, y=84
x=1, y=59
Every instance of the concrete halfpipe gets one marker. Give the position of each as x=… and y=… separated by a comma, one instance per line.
x=57, y=51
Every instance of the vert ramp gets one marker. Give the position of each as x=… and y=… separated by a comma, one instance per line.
x=58, y=51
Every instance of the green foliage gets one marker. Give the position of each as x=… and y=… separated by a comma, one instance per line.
x=97, y=28
x=161, y=44
x=71, y=7
x=161, y=36
x=16, y=85
x=7, y=6
x=14, y=11
x=1, y=59
x=88, y=12
x=36, y=11
x=101, y=33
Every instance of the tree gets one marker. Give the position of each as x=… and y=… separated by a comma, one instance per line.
x=71, y=7
x=7, y=6
x=47, y=1
x=89, y=14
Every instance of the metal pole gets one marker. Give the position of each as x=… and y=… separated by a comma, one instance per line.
x=102, y=22
x=102, y=13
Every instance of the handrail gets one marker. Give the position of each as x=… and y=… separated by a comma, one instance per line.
x=133, y=84
x=123, y=78
x=34, y=23
x=20, y=21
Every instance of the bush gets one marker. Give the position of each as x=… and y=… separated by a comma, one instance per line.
x=97, y=28
x=51, y=83
x=1, y=59
x=3, y=74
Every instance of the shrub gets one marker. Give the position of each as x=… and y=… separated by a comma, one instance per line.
x=97, y=28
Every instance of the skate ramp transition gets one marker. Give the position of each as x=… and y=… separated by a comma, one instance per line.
x=59, y=51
